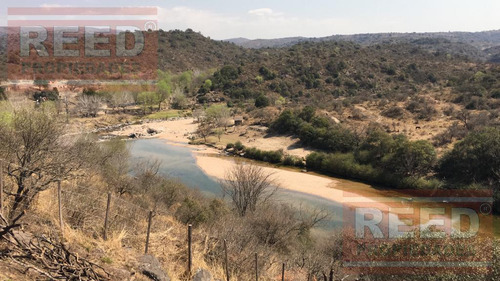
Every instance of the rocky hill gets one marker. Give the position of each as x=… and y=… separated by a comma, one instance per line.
x=471, y=44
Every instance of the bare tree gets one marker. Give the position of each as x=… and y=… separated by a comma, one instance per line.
x=247, y=186
x=89, y=105
x=37, y=154
x=204, y=129
x=199, y=114
x=121, y=99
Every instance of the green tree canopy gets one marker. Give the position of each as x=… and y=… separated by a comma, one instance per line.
x=474, y=159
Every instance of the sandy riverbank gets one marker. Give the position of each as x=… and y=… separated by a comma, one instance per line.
x=296, y=181
x=177, y=132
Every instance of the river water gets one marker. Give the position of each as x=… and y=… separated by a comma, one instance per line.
x=179, y=162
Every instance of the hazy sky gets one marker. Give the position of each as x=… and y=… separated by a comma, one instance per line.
x=223, y=19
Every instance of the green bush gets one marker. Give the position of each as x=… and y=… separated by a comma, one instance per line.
x=291, y=160
x=274, y=157
x=238, y=145
x=262, y=101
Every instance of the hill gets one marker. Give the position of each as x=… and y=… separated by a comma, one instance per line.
x=477, y=42
x=188, y=50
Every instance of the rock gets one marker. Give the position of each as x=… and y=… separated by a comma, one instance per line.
x=132, y=136
x=152, y=131
x=202, y=275
x=151, y=267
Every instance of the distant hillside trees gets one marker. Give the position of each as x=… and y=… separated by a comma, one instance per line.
x=266, y=73
x=376, y=157
x=262, y=101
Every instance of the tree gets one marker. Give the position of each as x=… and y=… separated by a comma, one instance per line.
x=147, y=100
x=179, y=100
x=204, y=129
x=307, y=113
x=412, y=158
x=37, y=154
x=163, y=91
x=220, y=114
x=474, y=159
x=89, y=105
x=219, y=132
x=247, y=186
x=207, y=86
x=262, y=101
x=3, y=94
x=121, y=99
x=198, y=114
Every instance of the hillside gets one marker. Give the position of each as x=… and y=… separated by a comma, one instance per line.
x=397, y=85
x=471, y=44
x=188, y=50
x=387, y=113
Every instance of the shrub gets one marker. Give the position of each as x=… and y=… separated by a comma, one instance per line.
x=238, y=145
x=266, y=73
x=393, y=112
x=274, y=157
x=291, y=160
x=3, y=95
x=262, y=101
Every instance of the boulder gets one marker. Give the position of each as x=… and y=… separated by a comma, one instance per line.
x=152, y=131
x=202, y=275
x=151, y=267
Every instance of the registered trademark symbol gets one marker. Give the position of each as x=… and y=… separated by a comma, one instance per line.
x=150, y=25
x=485, y=209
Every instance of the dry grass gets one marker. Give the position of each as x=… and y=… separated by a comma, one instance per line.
x=168, y=240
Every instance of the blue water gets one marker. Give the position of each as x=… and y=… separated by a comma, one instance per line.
x=179, y=162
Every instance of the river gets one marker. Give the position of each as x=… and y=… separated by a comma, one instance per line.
x=179, y=162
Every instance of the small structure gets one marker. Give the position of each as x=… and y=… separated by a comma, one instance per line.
x=238, y=121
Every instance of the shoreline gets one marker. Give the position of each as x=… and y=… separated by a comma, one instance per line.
x=210, y=161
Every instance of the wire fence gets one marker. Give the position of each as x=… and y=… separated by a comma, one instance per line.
x=100, y=214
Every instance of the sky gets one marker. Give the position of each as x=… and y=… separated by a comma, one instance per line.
x=224, y=19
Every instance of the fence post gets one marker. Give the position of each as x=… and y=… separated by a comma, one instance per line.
x=256, y=268
x=190, y=251
x=283, y=272
x=67, y=109
x=225, y=260
x=149, y=230
x=59, y=199
x=108, y=204
x=1, y=188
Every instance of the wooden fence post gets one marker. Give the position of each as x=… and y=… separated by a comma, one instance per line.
x=225, y=260
x=283, y=272
x=190, y=251
x=1, y=188
x=149, y=230
x=256, y=267
x=105, y=231
x=59, y=199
